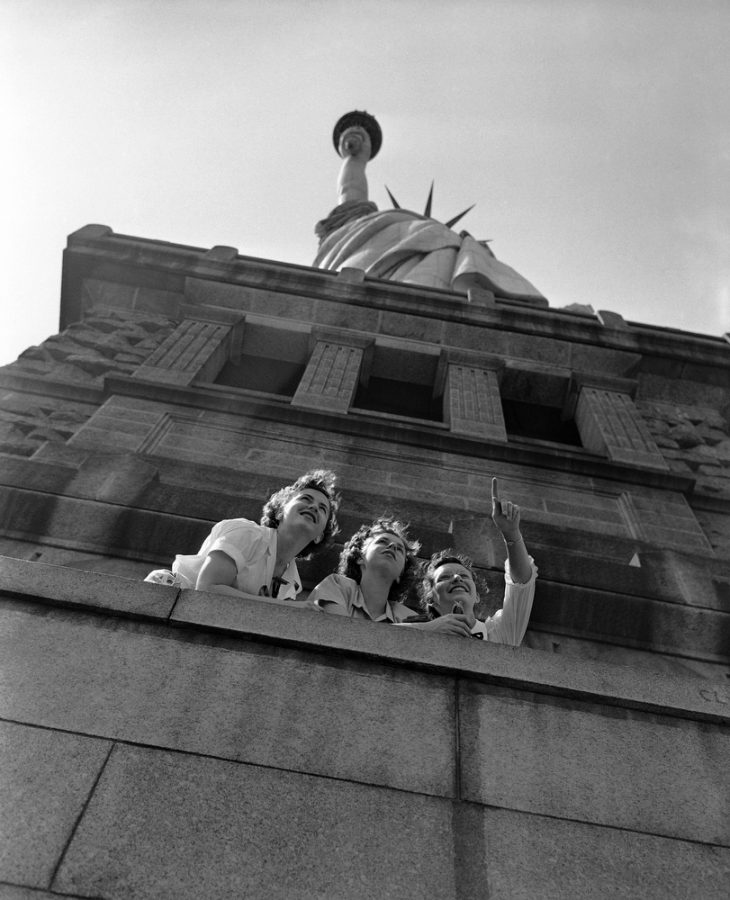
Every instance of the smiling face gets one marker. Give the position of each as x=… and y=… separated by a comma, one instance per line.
x=453, y=584
x=385, y=552
x=309, y=507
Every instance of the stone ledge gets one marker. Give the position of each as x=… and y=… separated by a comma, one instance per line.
x=72, y=587
x=523, y=668
x=46, y=386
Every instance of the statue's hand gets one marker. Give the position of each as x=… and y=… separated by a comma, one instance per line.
x=355, y=143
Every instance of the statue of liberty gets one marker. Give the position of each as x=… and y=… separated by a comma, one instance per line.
x=397, y=244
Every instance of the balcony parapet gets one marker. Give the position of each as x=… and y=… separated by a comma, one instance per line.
x=285, y=625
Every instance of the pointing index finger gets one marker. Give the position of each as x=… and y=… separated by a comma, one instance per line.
x=495, y=493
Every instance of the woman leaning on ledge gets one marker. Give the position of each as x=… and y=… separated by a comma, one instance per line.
x=377, y=568
x=240, y=558
x=448, y=590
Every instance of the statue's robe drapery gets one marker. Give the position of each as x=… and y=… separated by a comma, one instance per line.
x=400, y=245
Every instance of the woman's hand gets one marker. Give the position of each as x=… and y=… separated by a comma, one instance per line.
x=454, y=623
x=505, y=514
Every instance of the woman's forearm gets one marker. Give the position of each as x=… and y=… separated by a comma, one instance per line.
x=519, y=559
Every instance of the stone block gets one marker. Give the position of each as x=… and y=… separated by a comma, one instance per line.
x=412, y=328
x=598, y=525
x=534, y=857
x=570, y=759
x=675, y=538
x=674, y=388
x=231, y=698
x=603, y=513
x=626, y=657
x=100, y=293
x=592, y=358
x=270, y=303
x=165, y=825
x=97, y=527
x=45, y=780
x=158, y=302
x=468, y=337
x=343, y=315
x=611, y=319
x=69, y=587
x=201, y=292
x=32, y=553
x=221, y=253
x=553, y=352
x=632, y=621
x=351, y=273
x=481, y=297
x=716, y=526
x=88, y=233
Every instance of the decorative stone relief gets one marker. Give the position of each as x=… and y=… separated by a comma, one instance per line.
x=472, y=402
x=187, y=352
x=330, y=379
x=609, y=422
x=107, y=342
x=694, y=440
x=28, y=421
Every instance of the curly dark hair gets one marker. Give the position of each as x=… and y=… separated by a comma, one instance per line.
x=427, y=580
x=353, y=550
x=322, y=480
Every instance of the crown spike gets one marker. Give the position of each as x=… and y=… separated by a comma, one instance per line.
x=461, y=215
x=395, y=203
x=427, y=210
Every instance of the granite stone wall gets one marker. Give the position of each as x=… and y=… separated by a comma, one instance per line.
x=165, y=744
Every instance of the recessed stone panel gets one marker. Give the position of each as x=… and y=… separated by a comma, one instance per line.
x=610, y=766
x=531, y=856
x=179, y=826
x=45, y=779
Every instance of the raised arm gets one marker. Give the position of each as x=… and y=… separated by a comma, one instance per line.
x=355, y=149
x=506, y=516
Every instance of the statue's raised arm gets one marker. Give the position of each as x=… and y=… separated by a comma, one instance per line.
x=357, y=138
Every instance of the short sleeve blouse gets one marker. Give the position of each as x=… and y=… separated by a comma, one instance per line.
x=252, y=548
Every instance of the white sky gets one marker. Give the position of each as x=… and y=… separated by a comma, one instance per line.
x=594, y=136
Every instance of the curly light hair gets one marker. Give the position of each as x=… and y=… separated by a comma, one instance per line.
x=427, y=580
x=352, y=553
x=322, y=480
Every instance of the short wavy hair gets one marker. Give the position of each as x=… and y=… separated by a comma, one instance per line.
x=427, y=581
x=322, y=480
x=353, y=550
